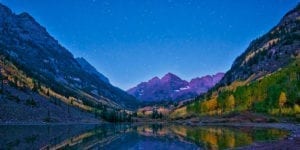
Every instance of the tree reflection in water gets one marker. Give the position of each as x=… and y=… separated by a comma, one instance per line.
x=130, y=136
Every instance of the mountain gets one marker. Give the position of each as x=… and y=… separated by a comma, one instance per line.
x=203, y=84
x=265, y=78
x=90, y=69
x=268, y=53
x=171, y=87
x=50, y=68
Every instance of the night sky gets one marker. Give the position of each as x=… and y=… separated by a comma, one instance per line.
x=131, y=41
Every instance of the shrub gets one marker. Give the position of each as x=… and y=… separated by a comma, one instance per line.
x=13, y=98
x=273, y=120
x=296, y=108
x=274, y=111
x=30, y=102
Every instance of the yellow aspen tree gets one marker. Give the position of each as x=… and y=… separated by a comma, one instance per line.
x=282, y=99
x=230, y=102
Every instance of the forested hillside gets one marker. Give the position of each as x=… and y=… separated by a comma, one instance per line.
x=265, y=78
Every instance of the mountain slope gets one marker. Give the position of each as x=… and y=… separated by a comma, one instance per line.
x=171, y=87
x=265, y=78
x=31, y=49
x=25, y=106
x=268, y=53
x=90, y=69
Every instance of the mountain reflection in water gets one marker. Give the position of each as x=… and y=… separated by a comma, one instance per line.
x=129, y=136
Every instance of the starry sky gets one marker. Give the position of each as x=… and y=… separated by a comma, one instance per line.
x=131, y=41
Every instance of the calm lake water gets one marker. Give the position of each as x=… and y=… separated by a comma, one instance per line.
x=120, y=136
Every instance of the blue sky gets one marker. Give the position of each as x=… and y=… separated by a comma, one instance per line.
x=131, y=41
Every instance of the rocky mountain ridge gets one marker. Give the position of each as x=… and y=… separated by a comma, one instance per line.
x=171, y=87
x=268, y=53
x=33, y=50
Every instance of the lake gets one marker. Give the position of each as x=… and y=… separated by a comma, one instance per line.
x=130, y=136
